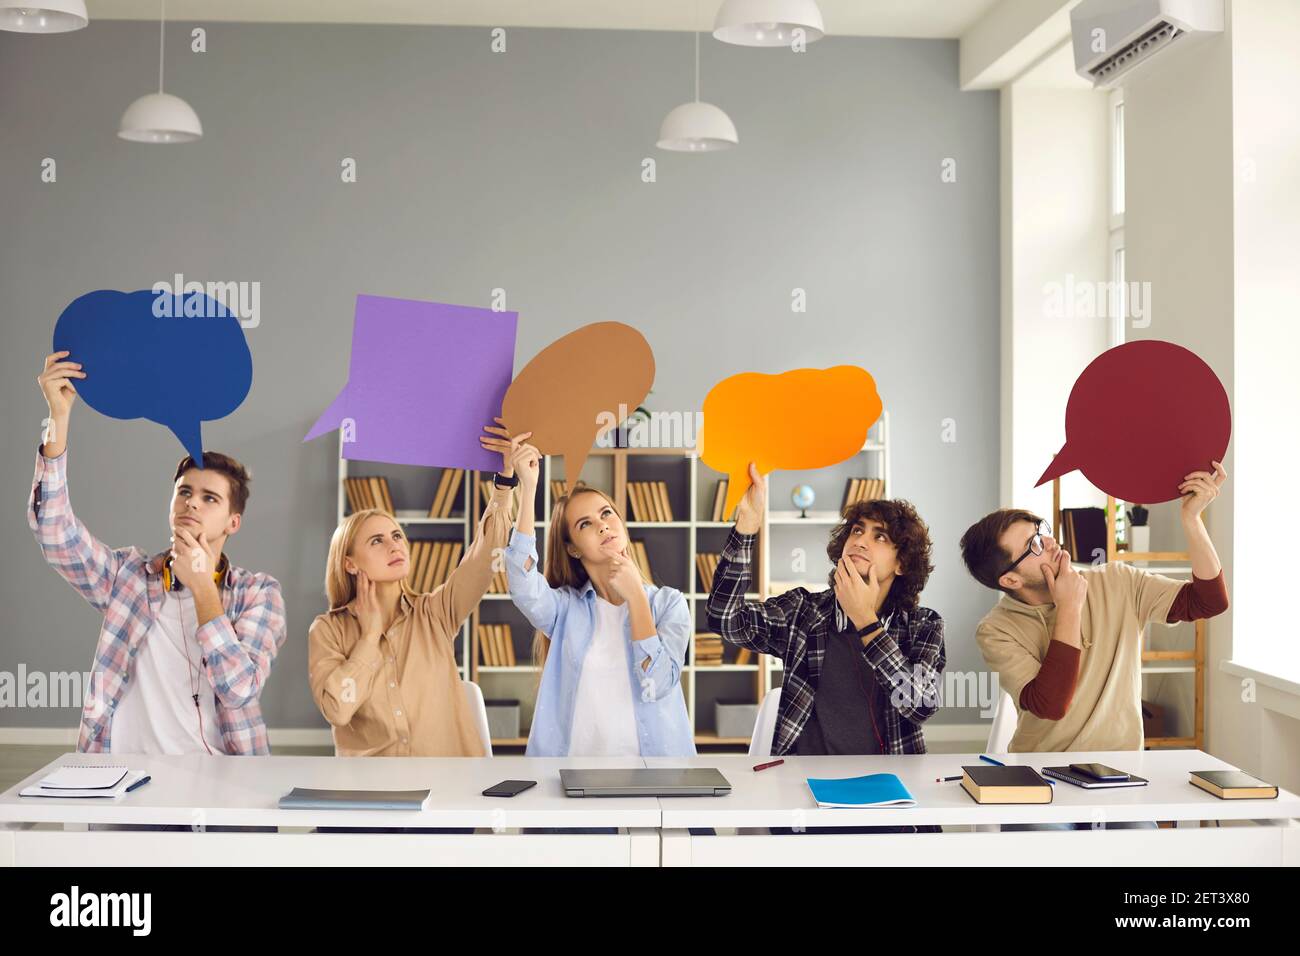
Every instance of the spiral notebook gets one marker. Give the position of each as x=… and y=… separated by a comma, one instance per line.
x=105, y=781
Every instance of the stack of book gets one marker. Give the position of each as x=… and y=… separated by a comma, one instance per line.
x=496, y=645
x=719, y=500
x=366, y=493
x=649, y=500
x=862, y=489
x=642, y=558
x=706, y=564
x=445, y=497
x=431, y=563
x=708, y=650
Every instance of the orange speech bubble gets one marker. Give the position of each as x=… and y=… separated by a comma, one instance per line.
x=572, y=391
x=806, y=418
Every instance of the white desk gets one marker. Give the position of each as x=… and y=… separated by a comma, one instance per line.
x=779, y=797
x=244, y=791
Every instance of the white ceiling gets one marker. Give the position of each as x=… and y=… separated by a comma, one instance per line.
x=895, y=18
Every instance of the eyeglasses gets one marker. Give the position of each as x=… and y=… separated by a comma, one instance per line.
x=1035, y=546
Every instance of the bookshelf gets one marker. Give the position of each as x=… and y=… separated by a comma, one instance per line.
x=1163, y=662
x=685, y=494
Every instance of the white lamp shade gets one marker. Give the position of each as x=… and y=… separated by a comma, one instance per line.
x=697, y=128
x=160, y=118
x=42, y=16
x=767, y=22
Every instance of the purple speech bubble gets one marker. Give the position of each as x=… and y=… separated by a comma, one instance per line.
x=423, y=380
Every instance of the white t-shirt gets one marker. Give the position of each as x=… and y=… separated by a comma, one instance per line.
x=604, y=723
x=156, y=714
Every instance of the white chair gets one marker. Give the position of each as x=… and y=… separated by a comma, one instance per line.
x=474, y=696
x=760, y=744
x=1004, y=725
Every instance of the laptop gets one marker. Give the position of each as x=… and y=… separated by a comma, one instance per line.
x=634, y=782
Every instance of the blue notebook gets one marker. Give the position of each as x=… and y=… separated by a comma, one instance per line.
x=873, y=790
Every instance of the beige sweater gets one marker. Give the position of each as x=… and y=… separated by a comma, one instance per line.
x=1106, y=711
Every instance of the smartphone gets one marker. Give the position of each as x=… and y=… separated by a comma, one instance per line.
x=1099, y=771
x=509, y=788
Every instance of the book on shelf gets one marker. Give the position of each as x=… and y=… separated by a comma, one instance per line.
x=707, y=564
x=557, y=489
x=369, y=492
x=665, y=504
x=642, y=558
x=862, y=489
x=496, y=645
x=432, y=563
x=744, y=656
x=500, y=584
x=708, y=649
x=649, y=501
x=719, y=500
x=444, y=499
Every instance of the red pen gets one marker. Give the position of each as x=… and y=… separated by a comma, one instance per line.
x=764, y=766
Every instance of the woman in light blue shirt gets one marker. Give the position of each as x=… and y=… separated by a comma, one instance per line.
x=611, y=669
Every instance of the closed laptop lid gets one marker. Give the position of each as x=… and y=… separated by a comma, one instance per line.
x=643, y=782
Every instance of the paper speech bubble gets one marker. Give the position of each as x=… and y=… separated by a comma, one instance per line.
x=806, y=418
x=423, y=380
x=1142, y=416
x=140, y=353
x=571, y=392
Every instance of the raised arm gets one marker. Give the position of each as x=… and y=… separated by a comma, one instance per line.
x=69, y=548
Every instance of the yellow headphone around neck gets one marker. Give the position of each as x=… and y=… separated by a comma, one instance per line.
x=170, y=584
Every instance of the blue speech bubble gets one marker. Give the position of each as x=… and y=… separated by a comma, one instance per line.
x=178, y=360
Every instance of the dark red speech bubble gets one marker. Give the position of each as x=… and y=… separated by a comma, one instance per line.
x=1140, y=418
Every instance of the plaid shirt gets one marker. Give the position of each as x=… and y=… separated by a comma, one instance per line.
x=125, y=585
x=795, y=626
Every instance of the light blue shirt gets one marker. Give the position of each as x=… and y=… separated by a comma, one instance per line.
x=568, y=617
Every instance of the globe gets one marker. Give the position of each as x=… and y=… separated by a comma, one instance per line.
x=802, y=497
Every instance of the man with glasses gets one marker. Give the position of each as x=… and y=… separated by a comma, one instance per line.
x=1067, y=643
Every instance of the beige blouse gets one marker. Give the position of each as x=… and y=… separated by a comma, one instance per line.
x=405, y=698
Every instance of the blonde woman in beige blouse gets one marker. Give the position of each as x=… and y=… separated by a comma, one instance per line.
x=382, y=660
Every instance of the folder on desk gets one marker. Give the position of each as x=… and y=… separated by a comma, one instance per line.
x=303, y=798
x=873, y=790
x=74, y=781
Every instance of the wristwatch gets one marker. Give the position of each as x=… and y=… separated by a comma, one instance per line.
x=501, y=481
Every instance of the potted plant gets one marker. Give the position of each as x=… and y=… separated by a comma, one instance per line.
x=1139, y=534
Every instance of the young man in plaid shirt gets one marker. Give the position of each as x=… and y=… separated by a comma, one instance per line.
x=862, y=660
x=188, y=639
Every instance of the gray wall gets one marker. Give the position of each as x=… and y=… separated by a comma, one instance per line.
x=477, y=170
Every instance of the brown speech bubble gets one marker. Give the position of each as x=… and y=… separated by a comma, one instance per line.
x=577, y=388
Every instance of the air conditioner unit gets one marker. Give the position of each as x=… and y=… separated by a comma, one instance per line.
x=1113, y=37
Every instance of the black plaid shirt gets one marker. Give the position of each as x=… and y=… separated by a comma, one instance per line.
x=907, y=659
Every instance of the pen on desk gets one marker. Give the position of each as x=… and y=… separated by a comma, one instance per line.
x=947, y=779
x=138, y=784
x=988, y=759
x=764, y=766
